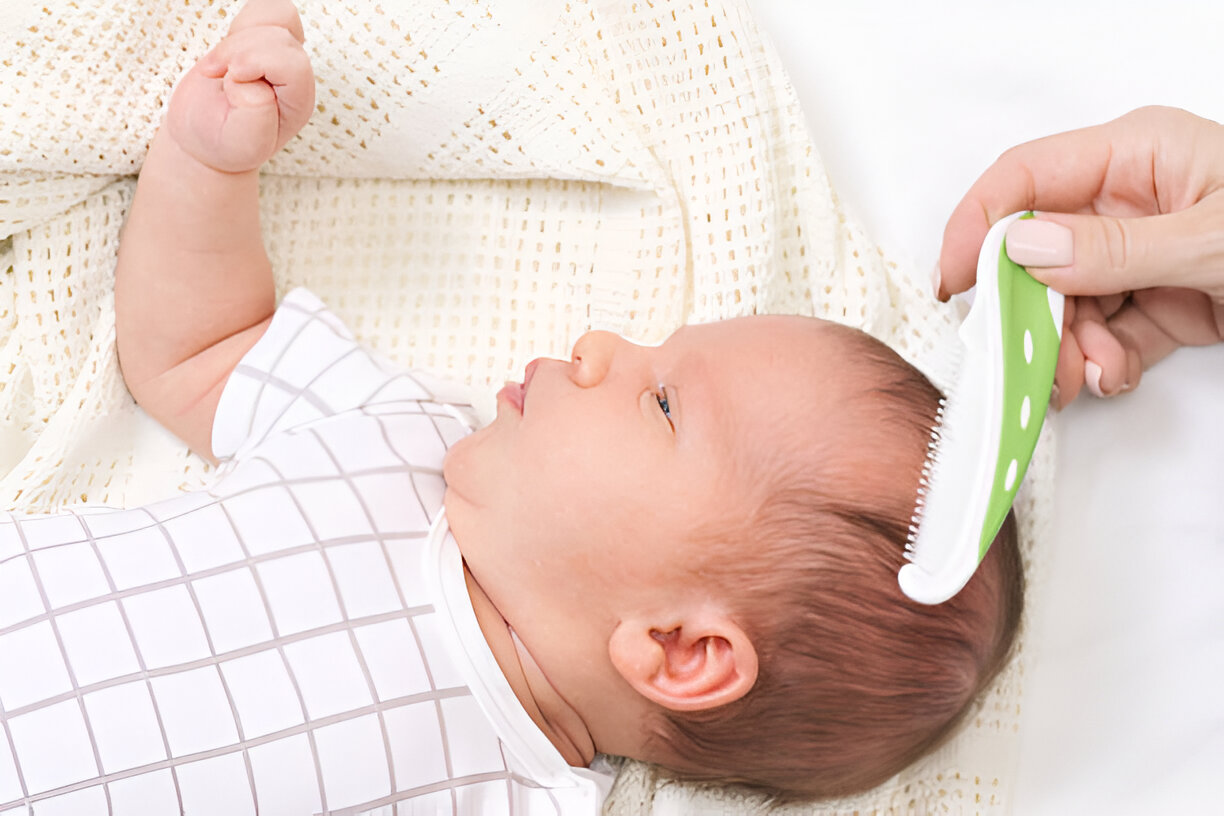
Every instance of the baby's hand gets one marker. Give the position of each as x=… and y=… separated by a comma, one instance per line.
x=248, y=96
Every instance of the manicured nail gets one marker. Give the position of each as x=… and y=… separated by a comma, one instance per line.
x=936, y=279
x=1054, y=397
x=1092, y=379
x=1039, y=243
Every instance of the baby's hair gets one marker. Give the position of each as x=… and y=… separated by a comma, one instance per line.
x=856, y=681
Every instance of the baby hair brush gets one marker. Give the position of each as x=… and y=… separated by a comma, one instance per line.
x=987, y=427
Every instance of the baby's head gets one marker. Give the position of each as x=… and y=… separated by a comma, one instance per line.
x=697, y=546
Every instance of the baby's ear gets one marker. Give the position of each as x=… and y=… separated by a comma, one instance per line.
x=693, y=662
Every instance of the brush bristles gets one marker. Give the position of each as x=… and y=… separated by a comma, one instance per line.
x=924, y=480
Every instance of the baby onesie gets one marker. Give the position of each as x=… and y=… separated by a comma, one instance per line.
x=296, y=639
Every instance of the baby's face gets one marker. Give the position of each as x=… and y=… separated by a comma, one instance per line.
x=580, y=499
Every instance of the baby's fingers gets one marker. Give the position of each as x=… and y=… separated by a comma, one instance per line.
x=261, y=53
x=280, y=13
x=249, y=132
x=246, y=95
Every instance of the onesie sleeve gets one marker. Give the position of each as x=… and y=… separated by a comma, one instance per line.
x=308, y=366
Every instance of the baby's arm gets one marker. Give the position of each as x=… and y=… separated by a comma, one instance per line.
x=193, y=286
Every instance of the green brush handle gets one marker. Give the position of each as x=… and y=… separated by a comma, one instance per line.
x=1030, y=354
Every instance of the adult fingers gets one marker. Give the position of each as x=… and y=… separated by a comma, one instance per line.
x=1156, y=322
x=1145, y=339
x=1110, y=304
x=1105, y=255
x=1148, y=161
x=1110, y=365
x=1042, y=174
x=1069, y=371
x=1188, y=317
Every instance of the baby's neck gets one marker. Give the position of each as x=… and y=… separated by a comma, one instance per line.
x=548, y=710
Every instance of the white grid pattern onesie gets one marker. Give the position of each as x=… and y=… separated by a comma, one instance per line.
x=297, y=639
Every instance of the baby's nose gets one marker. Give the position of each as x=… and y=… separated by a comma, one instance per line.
x=592, y=357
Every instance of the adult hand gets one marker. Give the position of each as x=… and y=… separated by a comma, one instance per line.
x=1130, y=225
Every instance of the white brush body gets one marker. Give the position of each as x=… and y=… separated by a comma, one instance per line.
x=954, y=492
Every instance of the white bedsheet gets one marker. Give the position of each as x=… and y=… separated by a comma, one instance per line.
x=908, y=103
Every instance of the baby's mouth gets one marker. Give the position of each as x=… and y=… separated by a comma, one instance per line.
x=515, y=394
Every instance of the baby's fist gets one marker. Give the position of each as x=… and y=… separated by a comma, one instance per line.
x=248, y=96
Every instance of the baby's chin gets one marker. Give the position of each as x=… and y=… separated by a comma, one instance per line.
x=456, y=464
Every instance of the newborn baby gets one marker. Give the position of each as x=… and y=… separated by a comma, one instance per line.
x=684, y=554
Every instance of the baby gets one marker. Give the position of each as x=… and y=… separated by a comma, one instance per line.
x=684, y=554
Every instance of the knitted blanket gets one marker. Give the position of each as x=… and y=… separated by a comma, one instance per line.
x=482, y=181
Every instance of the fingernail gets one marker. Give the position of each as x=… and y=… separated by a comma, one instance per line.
x=1092, y=379
x=936, y=279
x=1039, y=243
x=1054, y=396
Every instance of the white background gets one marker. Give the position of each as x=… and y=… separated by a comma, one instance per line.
x=908, y=103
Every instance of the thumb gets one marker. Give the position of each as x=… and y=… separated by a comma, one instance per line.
x=1104, y=255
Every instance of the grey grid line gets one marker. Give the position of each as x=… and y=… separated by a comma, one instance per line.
x=224, y=657
x=381, y=470
x=279, y=645
x=433, y=399
x=306, y=392
x=8, y=736
x=552, y=797
x=421, y=790
x=59, y=642
x=265, y=378
x=277, y=642
x=240, y=368
x=399, y=590
x=393, y=378
x=314, y=316
x=382, y=429
x=208, y=572
x=444, y=734
x=412, y=623
x=446, y=757
x=516, y=778
x=437, y=430
x=456, y=414
x=25, y=791
x=189, y=584
x=347, y=477
x=501, y=749
x=304, y=728
x=331, y=574
x=140, y=661
x=110, y=583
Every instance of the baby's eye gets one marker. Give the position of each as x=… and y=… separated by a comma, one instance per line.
x=661, y=397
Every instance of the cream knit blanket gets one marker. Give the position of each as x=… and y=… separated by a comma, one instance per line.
x=482, y=181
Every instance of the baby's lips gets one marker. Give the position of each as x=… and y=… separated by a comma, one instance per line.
x=513, y=393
